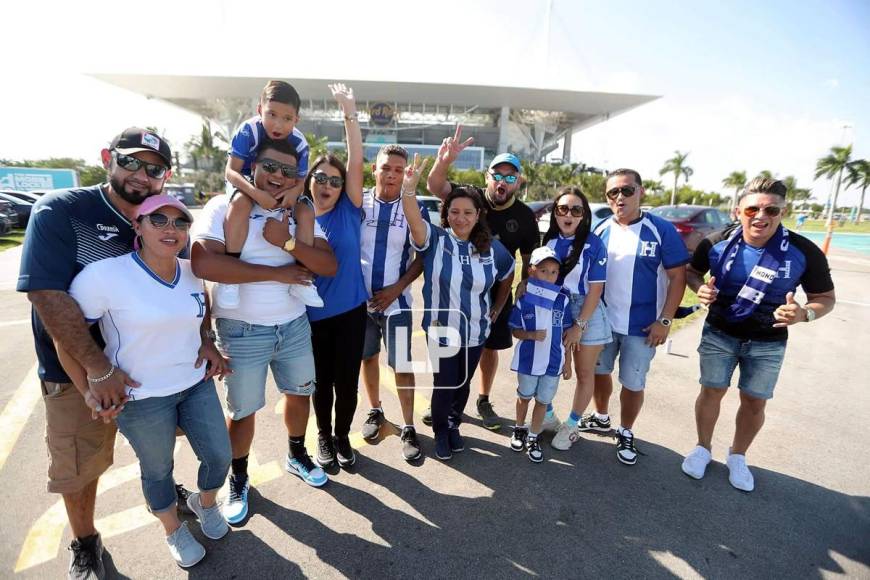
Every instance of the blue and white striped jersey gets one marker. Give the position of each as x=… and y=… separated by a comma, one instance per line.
x=590, y=267
x=458, y=283
x=250, y=135
x=386, y=249
x=637, y=256
x=542, y=307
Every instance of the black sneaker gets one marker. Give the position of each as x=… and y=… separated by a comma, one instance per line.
x=325, y=451
x=410, y=444
x=372, y=425
x=626, y=452
x=490, y=420
x=457, y=443
x=181, y=503
x=427, y=417
x=344, y=452
x=518, y=438
x=536, y=454
x=442, y=446
x=86, y=561
x=592, y=423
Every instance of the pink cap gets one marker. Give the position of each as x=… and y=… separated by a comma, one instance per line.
x=155, y=202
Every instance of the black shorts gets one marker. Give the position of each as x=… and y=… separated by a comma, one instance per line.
x=500, y=333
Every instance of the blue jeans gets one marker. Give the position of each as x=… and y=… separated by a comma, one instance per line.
x=149, y=425
x=452, y=387
x=759, y=361
x=598, y=331
x=542, y=388
x=635, y=356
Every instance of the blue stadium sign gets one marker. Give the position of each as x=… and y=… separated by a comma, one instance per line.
x=32, y=178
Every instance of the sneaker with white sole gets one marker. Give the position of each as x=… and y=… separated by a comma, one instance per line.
x=551, y=423
x=536, y=454
x=518, y=438
x=184, y=548
x=371, y=428
x=211, y=521
x=592, y=423
x=410, y=444
x=738, y=472
x=86, y=559
x=325, y=456
x=565, y=437
x=488, y=416
x=235, y=507
x=227, y=296
x=625, y=449
x=305, y=469
x=695, y=464
x=306, y=294
x=344, y=452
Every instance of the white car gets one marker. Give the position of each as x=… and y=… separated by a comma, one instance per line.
x=600, y=211
x=433, y=206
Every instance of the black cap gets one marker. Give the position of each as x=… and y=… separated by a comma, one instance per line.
x=136, y=139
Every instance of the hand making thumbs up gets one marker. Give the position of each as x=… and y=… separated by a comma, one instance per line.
x=707, y=292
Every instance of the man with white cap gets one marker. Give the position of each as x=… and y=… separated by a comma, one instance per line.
x=514, y=225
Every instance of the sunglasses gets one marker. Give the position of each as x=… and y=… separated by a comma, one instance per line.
x=625, y=190
x=321, y=178
x=753, y=210
x=158, y=220
x=131, y=164
x=575, y=210
x=271, y=166
x=509, y=179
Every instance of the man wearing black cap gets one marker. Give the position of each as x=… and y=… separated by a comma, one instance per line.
x=69, y=229
x=511, y=222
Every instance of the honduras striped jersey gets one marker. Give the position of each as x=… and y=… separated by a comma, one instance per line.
x=458, y=282
x=591, y=266
x=251, y=134
x=386, y=249
x=637, y=256
x=542, y=307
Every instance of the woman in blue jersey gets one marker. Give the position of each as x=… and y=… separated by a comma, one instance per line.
x=154, y=317
x=338, y=327
x=582, y=275
x=461, y=264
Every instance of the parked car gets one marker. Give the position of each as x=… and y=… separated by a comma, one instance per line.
x=433, y=206
x=539, y=207
x=20, y=207
x=693, y=222
x=600, y=211
x=7, y=217
x=23, y=195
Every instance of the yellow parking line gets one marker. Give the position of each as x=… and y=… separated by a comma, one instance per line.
x=16, y=413
x=388, y=379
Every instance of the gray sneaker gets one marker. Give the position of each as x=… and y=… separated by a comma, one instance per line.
x=211, y=520
x=372, y=426
x=86, y=561
x=490, y=420
x=184, y=547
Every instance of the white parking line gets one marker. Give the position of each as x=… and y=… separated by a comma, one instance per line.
x=16, y=413
x=15, y=322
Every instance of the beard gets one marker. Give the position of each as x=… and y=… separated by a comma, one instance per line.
x=133, y=198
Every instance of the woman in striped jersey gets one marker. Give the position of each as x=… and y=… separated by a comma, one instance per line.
x=582, y=275
x=461, y=264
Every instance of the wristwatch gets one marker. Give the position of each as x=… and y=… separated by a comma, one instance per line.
x=582, y=324
x=665, y=321
x=809, y=314
x=290, y=245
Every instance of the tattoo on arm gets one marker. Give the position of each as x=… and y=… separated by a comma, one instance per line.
x=65, y=323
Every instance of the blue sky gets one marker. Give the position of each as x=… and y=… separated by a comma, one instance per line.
x=744, y=85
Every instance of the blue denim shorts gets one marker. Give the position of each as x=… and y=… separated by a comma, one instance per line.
x=542, y=388
x=759, y=362
x=253, y=349
x=598, y=331
x=635, y=356
x=383, y=328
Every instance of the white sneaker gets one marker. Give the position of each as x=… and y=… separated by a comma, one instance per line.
x=551, y=423
x=184, y=548
x=695, y=464
x=738, y=473
x=565, y=437
x=227, y=295
x=307, y=294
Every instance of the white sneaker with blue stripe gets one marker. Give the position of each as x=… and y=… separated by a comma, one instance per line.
x=235, y=507
x=306, y=470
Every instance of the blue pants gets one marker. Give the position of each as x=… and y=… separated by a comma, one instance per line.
x=149, y=425
x=452, y=386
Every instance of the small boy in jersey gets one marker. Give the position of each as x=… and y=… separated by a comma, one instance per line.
x=538, y=320
x=276, y=118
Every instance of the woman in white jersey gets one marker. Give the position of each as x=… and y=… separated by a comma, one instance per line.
x=461, y=264
x=582, y=276
x=153, y=315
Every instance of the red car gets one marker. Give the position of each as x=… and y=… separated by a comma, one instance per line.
x=693, y=222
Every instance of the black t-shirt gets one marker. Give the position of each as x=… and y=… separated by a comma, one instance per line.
x=804, y=265
x=515, y=226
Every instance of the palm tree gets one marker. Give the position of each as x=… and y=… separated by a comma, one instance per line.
x=652, y=186
x=737, y=180
x=793, y=192
x=859, y=174
x=833, y=164
x=204, y=147
x=677, y=166
x=765, y=174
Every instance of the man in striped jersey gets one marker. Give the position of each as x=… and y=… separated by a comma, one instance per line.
x=646, y=278
x=388, y=270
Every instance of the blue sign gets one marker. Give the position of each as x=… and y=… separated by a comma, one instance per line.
x=381, y=114
x=31, y=178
